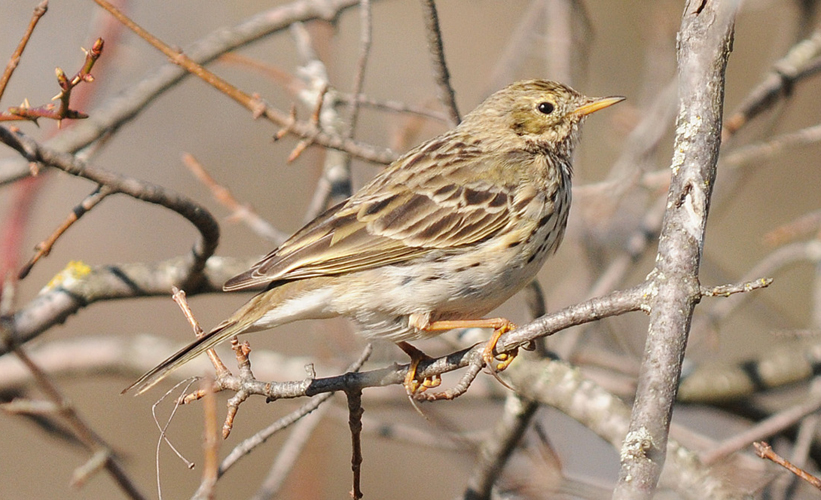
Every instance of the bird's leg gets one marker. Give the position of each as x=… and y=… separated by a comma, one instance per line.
x=500, y=327
x=412, y=386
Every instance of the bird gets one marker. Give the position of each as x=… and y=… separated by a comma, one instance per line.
x=435, y=241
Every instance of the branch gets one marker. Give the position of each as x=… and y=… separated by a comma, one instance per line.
x=803, y=60
x=39, y=12
x=102, y=454
x=440, y=68
x=201, y=219
x=498, y=447
x=253, y=103
x=125, y=106
x=615, y=303
x=559, y=385
x=703, y=49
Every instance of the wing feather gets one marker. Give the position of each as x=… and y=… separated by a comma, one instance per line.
x=382, y=227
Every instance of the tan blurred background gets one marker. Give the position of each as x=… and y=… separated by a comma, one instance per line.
x=629, y=51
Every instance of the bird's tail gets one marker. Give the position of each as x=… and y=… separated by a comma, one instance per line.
x=245, y=319
x=211, y=339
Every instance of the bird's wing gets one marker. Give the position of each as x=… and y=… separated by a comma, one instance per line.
x=385, y=225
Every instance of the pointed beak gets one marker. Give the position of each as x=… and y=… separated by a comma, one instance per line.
x=596, y=104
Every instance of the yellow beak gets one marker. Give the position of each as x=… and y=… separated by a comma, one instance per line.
x=597, y=104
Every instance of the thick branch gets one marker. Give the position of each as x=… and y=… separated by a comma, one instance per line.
x=703, y=49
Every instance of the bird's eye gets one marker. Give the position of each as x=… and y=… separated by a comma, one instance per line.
x=546, y=107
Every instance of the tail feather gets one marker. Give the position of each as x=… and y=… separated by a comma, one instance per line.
x=200, y=345
x=302, y=299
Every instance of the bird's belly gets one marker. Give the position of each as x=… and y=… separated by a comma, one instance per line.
x=464, y=286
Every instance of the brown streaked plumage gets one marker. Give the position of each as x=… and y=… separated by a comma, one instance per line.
x=447, y=232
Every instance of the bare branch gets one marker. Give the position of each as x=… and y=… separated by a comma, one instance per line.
x=127, y=105
x=103, y=456
x=497, y=448
x=803, y=60
x=253, y=103
x=765, y=451
x=440, y=68
x=767, y=428
x=704, y=47
x=44, y=247
x=223, y=195
x=39, y=12
x=141, y=190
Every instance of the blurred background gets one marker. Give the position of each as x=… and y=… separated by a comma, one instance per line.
x=602, y=48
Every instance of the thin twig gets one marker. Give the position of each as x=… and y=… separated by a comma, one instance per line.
x=733, y=288
x=355, y=424
x=440, y=68
x=178, y=296
x=101, y=451
x=255, y=104
x=63, y=111
x=764, y=450
x=44, y=247
x=39, y=12
x=239, y=211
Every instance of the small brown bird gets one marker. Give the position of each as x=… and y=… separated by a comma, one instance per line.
x=438, y=239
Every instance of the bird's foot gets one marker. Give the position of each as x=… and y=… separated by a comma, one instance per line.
x=412, y=385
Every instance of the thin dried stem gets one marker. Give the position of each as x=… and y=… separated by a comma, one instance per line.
x=253, y=103
x=102, y=454
x=44, y=247
x=440, y=69
x=239, y=211
x=766, y=428
x=39, y=12
x=765, y=451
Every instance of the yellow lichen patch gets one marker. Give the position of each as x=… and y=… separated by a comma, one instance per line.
x=74, y=270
